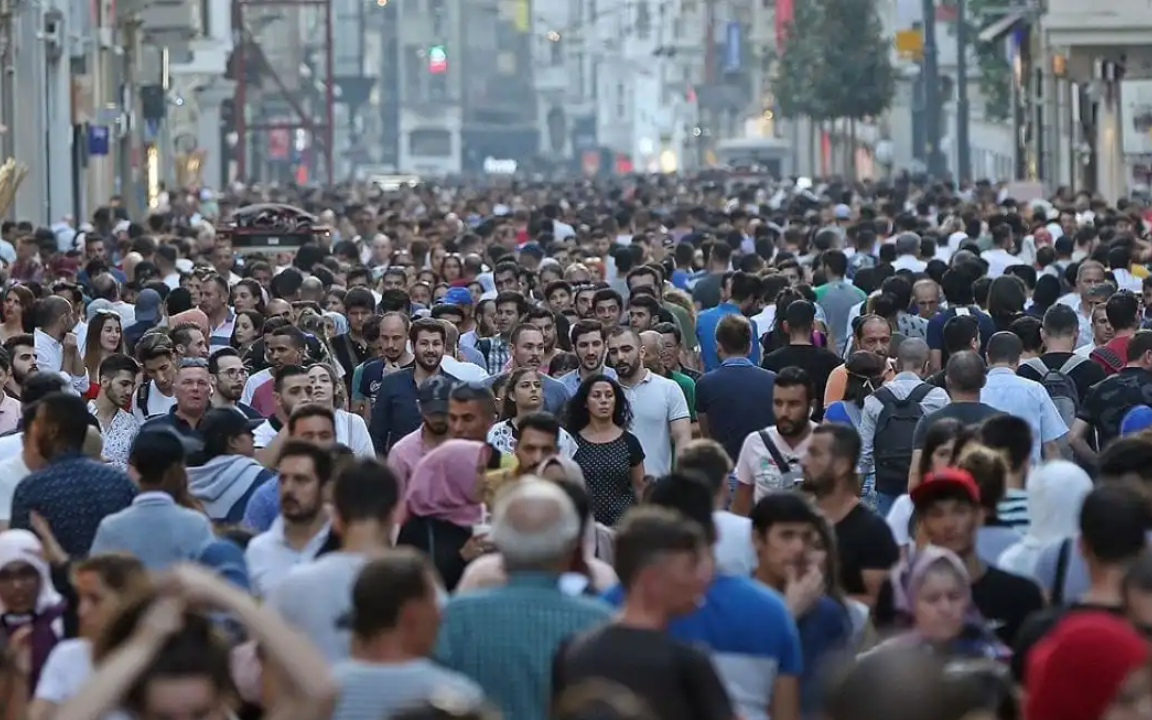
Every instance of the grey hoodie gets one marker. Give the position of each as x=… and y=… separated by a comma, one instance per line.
x=223, y=482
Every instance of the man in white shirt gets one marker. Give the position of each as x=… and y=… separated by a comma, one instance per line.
x=735, y=554
x=907, y=253
x=56, y=347
x=302, y=528
x=1000, y=257
x=660, y=417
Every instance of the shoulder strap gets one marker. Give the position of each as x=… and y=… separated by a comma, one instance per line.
x=142, y=397
x=1061, y=571
x=886, y=397
x=777, y=456
x=1072, y=363
x=484, y=345
x=920, y=392
x=1038, y=365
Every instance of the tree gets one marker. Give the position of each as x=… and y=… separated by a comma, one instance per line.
x=994, y=71
x=798, y=69
x=858, y=79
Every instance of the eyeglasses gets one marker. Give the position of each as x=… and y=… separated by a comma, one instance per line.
x=234, y=372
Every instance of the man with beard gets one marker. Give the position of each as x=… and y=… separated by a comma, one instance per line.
x=301, y=529
x=22, y=350
x=228, y=378
x=864, y=542
x=528, y=352
x=214, y=304
x=57, y=349
x=291, y=388
x=388, y=337
x=660, y=417
x=192, y=390
x=770, y=459
x=285, y=346
x=432, y=402
x=395, y=412
x=587, y=338
x=118, y=427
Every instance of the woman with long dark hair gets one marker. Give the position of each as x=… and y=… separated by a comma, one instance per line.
x=18, y=302
x=523, y=395
x=105, y=337
x=610, y=457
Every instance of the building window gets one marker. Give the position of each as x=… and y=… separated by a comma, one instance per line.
x=578, y=62
x=438, y=87
x=620, y=108
x=595, y=80
x=556, y=52
x=430, y=142
x=643, y=20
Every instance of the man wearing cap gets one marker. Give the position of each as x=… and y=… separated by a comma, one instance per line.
x=157, y=465
x=227, y=473
x=949, y=514
x=461, y=298
x=148, y=313
x=432, y=401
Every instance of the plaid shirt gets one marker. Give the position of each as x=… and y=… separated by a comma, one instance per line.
x=504, y=639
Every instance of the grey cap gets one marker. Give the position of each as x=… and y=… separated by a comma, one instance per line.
x=432, y=395
x=148, y=306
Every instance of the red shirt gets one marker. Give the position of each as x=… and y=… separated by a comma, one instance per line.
x=1113, y=355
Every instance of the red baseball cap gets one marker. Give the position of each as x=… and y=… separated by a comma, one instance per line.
x=948, y=480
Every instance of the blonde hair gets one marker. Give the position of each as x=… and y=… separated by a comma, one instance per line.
x=989, y=468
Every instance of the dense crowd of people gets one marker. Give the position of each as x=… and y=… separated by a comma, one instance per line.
x=692, y=448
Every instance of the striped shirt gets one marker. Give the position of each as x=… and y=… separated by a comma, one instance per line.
x=222, y=333
x=371, y=691
x=1013, y=509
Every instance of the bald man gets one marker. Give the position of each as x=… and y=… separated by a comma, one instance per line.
x=888, y=422
x=57, y=349
x=653, y=344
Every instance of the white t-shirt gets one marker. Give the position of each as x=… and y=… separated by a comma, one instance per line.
x=656, y=403
x=734, y=552
x=12, y=471
x=757, y=467
x=351, y=431
x=158, y=404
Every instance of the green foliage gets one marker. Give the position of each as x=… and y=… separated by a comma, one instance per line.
x=800, y=64
x=835, y=62
x=994, y=73
x=858, y=80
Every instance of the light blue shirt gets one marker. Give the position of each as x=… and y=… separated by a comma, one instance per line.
x=901, y=386
x=571, y=379
x=706, y=324
x=1009, y=393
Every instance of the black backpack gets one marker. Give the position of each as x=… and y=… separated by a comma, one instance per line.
x=892, y=447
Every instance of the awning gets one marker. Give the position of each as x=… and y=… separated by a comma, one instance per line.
x=1001, y=27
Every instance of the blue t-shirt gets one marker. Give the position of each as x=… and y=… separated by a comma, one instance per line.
x=706, y=323
x=825, y=631
x=936, y=327
x=750, y=635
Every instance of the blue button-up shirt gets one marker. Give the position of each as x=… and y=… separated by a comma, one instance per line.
x=571, y=379
x=264, y=506
x=706, y=324
x=504, y=639
x=1028, y=400
x=73, y=493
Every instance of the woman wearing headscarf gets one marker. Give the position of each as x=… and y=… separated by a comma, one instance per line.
x=1056, y=490
x=444, y=507
x=28, y=599
x=933, y=594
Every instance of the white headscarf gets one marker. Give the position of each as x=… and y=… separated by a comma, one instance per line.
x=24, y=546
x=1056, y=490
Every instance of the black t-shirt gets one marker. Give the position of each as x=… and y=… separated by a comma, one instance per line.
x=969, y=413
x=677, y=681
x=817, y=361
x=938, y=379
x=1039, y=624
x=1084, y=375
x=1003, y=600
x=864, y=542
x=1111, y=398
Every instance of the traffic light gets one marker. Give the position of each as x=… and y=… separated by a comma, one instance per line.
x=437, y=60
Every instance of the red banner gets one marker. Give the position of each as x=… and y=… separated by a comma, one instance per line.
x=783, y=17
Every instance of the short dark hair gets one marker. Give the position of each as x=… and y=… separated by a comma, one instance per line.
x=385, y=585
x=294, y=334
x=845, y=441
x=154, y=452
x=583, y=327
x=960, y=331
x=1061, y=321
x=359, y=297
x=113, y=365
x=734, y=334
x=793, y=376
x=544, y=422
x=284, y=373
x=647, y=534
x=1139, y=343
x=606, y=294
x=1123, y=310
x=688, y=494
x=1114, y=521
x=965, y=371
x=1027, y=328
x=1004, y=347
x=69, y=415
x=474, y=392
x=366, y=490
x=667, y=328
x=427, y=325
x=800, y=316
x=22, y=340
x=303, y=411
x=708, y=459
x=321, y=458
x=1009, y=435
x=214, y=358
x=647, y=302
x=782, y=507
x=512, y=296
x=182, y=333
x=520, y=329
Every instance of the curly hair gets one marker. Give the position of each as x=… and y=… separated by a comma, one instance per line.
x=578, y=415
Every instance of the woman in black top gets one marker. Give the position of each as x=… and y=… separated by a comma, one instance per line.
x=610, y=456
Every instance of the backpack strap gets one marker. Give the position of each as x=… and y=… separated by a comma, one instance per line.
x=777, y=456
x=484, y=345
x=1071, y=364
x=142, y=398
x=1038, y=365
x=1062, y=559
x=920, y=392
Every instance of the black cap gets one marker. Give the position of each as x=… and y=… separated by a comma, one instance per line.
x=225, y=423
x=432, y=395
